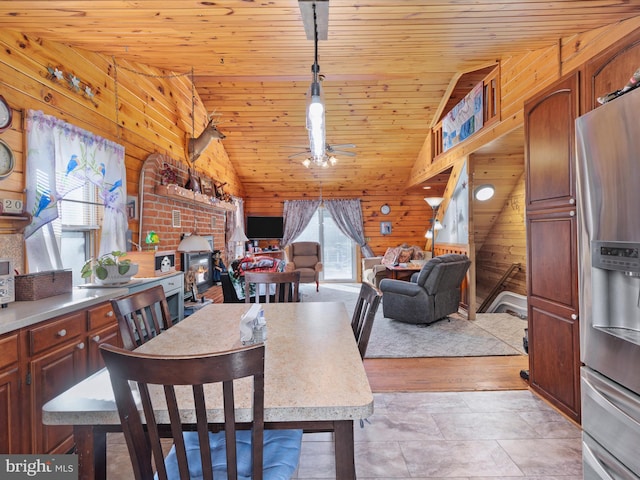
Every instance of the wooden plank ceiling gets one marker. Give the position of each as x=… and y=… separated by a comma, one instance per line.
x=386, y=65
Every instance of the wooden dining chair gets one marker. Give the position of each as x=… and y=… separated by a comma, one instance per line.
x=141, y=315
x=196, y=452
x=287, y=285
x=364, y=314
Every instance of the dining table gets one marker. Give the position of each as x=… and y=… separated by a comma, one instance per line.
x=314, y=378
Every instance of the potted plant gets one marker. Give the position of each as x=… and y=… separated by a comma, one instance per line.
x=110, y=269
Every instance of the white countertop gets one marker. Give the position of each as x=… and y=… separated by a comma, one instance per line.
x=23, y=314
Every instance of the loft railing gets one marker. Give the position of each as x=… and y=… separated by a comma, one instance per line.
x=491, y=109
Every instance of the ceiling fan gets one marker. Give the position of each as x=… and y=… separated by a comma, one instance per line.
x=330, y=150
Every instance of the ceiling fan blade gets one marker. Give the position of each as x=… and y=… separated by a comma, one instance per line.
x=298, y=147
x=346, y=154
x=299, y=154
x=341, y=145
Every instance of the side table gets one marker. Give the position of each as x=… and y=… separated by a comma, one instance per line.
x=402, y=271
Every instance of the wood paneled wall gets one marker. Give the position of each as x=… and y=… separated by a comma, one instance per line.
x=153, y=111
x=409, y=215
x=505, y=245
x=148, y=111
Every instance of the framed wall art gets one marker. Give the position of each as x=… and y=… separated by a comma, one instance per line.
x=206, y=186
x=385, y=228
x=132, y=207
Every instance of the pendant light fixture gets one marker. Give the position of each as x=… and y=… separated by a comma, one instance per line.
x=315, y=17
x=194, y=242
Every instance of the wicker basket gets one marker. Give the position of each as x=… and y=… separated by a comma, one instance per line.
x=36, y=286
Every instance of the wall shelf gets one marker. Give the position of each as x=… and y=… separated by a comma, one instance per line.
x=14, y=223
x=189, y=196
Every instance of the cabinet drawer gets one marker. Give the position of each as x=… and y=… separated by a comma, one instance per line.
x=172, y=284
x=8, y=350
x=100, y=316
x=56, y=332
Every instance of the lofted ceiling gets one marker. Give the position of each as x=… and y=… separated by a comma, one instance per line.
x=386, y=65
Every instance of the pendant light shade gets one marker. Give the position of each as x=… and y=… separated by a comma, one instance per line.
x=315, y=18
x=315, y=121
x=194, y=243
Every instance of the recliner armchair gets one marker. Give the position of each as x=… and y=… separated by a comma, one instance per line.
x=432, y=294
x=306, y=258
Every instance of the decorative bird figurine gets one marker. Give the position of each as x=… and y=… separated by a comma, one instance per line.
x=45, y=200
x=118, y=184
x=73, y=163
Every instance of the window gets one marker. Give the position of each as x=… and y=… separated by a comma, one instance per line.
x=338, y=250
x=75, y=230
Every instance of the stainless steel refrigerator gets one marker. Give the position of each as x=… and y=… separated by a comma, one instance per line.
x=608, y=179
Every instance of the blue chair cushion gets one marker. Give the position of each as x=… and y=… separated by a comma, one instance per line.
x=280, y=457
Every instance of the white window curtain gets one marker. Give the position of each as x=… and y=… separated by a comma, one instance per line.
x=61, y=158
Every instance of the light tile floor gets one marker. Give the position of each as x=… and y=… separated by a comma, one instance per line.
x=438, y=435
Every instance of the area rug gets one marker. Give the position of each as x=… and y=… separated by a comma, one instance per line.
x=489, y=335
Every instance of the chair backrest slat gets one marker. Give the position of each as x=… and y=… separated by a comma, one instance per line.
x=287, y=285
x=364, y=315
x=141, y=316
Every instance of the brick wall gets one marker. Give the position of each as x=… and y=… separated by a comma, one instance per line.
x=157, y=210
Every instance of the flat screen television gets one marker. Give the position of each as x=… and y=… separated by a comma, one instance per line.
x=265, y=228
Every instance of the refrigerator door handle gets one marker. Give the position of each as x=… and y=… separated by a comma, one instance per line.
x=610, y=398
x=592, y=462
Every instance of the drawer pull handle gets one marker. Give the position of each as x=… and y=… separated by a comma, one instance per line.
x=62, y=333
x=110, y=313
x=96, y=338
x=80, y=346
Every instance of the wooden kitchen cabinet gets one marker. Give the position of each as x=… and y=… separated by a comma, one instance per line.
x=550, y=146
x=554, y=329
x=58, y=354
x=10, y=376
x=58, y=360
x=102, y=327
x=552, y=267
x=552, y=229
x=64, y=351
x=110, y=335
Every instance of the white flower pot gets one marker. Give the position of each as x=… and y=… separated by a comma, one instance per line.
x=114, y=277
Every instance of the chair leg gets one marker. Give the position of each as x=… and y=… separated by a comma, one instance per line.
x=317, y=286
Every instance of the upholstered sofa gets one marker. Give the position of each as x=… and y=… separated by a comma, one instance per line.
x=432, y=294
x=374, y=269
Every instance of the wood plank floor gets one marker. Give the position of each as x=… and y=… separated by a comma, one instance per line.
x=451, y=374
